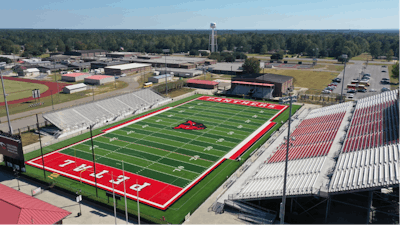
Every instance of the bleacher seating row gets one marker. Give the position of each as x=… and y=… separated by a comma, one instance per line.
x=367, y=168
x=268, y=180
x=375, y=122
x=103, y=110
x=313, y=137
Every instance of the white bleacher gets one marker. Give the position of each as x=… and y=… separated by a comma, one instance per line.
x=103, y=110
x=369, y=168
x=267, y=180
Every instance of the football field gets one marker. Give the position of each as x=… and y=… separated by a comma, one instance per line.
x=161, y=155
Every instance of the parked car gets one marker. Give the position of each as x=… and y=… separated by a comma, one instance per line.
x=372, y=90
x=351, y=96
x=383, y=71
x=337, y=79
x=384, y=82
x=385, y=89
x=351, y=91
x=123, y=75
x=384, y=66
x=326, y=92
x=362, y=90
x=385, y=78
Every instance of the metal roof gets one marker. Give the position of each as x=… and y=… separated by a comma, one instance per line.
x=276, y=78
x=74, y=74
x=24, y=209
x=206, y=82
x=128, y=66
x=252, y=83
x=97, y=77
x=163, y=76
x=75, y=86
x=32, y=70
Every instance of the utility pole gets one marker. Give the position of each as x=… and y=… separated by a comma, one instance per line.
x=5, y=101
x=283, y=204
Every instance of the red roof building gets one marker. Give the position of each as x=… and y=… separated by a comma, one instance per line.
x=19, y=208
x=206, y=84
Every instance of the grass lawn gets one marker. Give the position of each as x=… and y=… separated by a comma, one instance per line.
x=178, y=92
x=329, y=67
x=393, y=79
x=189, y=202
x=61, y=97
x=28, y=138
x=365, y=56
x=18, y=89
x=144, y=78
x=262, y=55
x=306, y=78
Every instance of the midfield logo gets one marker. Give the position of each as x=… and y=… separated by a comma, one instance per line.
x=191, y=125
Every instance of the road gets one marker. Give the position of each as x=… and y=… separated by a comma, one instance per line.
x=327, y=60
x=28, y=118
x=354, y=71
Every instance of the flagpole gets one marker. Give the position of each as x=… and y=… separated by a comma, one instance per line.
x=126, y=206
x=137, y=195
x=115, y=210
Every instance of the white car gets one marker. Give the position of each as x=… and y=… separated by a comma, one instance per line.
x=372, y=90
x=123, y=75
x=351, y=96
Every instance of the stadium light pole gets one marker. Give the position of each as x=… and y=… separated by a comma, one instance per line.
x=166, y=77
x=5, y=101
x=126, y=205
x=344, y=72
x=283, y=204
x=115, y=209
x=137, y=198
x=94, y=161
x=40, y=142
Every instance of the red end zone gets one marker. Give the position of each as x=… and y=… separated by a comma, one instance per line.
x=151, y=191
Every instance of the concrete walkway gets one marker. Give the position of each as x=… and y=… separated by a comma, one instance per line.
x=91, y=214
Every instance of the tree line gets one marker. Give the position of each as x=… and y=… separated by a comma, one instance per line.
x=311, y=43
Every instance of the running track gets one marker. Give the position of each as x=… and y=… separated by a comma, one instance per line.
x=51, y=85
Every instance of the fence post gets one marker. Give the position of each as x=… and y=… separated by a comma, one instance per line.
x=19, y=131
x=28, y=128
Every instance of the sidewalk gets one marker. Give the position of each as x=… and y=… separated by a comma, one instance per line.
x=90, y=214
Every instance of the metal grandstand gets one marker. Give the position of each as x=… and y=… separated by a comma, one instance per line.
x=103, y=111
x=344, y=148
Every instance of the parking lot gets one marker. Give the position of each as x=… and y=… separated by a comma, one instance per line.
x=353, y=71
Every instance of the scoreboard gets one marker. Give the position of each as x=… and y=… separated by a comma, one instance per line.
x=11, y=149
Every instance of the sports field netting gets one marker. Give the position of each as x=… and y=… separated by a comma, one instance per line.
x=166, y=152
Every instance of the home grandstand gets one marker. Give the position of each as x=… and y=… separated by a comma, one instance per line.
x=340, y=149
x=103, y=111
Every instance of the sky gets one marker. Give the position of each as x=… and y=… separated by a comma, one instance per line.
x=178, y=14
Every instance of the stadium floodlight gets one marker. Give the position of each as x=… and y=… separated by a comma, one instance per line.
x=166, y=77
x=344, y=56
x=283, y=203
x=5, y=101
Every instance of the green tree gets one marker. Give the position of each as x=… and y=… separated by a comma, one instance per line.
x=277, y=55
x=4, y=59
x=194, y=52
x=375, y=49
x=343, y=59
x=251, y=66
x=389, y=55
x=395, y=70
x=264, y=49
